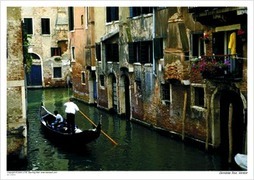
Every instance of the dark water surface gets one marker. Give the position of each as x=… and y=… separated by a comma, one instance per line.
x=138, y=149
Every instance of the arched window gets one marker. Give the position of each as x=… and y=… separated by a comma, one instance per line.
x=35, y=56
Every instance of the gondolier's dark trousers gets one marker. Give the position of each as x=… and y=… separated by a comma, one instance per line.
x=70, y=122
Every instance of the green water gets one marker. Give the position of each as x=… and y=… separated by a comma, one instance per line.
x=138, y=149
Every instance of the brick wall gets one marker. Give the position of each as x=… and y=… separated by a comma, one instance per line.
x=16, y=106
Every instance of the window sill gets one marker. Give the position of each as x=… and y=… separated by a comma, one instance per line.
x=45, y=35
x=165, y=102
x=199, y=108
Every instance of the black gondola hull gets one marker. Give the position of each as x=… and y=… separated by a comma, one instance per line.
x=64, y=138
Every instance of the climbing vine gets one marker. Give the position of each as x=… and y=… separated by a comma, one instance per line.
x=28, y=60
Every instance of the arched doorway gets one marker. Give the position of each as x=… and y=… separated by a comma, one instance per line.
x=231, y=124
x=92, y=87
x=125, y=95
x=112, y=93
x=34, y=77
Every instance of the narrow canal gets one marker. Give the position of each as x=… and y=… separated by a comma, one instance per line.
x=139, y=148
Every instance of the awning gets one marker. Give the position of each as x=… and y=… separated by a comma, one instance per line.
x=110, y=35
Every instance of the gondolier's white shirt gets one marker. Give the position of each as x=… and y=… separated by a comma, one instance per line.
x=71, y=107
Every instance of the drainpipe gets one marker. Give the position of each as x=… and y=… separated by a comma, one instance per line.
x=185, y=83
x=184, y=112
x=207, y=120
x=154, y=26
x=230, y=135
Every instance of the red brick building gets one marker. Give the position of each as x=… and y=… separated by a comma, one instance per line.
x=143, y=67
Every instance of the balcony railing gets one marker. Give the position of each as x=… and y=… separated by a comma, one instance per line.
x=219, y=67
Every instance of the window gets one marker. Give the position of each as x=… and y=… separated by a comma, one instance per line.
x=73, y=53
x=71, y=18
x=102, y=80
x=34, y=56
x=197, y=45
x=82, y=20
x=83, y=77
x=98, y=51
x=87, y=17
x=28, y=22
x=199, y=96
x=45, y=26
x=165, y=93
x=112, y=53
x=55, y=51
x=141, y=51
x=138, y=86
x=221, y=43
x=158, y=48
x=137, y=11
x=112, y=14
x=146, y=52
x=57, y=72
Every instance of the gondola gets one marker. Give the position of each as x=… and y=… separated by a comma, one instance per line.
x=61, y=136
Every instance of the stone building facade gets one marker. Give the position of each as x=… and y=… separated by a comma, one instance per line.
x=47, y=28
x=16, y=91
x=142, y=67
x=82, y=52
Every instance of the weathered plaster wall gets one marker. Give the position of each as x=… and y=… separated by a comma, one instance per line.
x=16, y=103
x=147, y=105
x=175, y=26
x=48, y=68
x=77, y=40
x=41, y=44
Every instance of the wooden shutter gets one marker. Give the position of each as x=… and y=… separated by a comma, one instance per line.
x=28, y=25
x=131, y=52
x=158, y=48
x=98, y=51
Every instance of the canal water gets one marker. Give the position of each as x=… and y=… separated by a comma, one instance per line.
x=139, y=148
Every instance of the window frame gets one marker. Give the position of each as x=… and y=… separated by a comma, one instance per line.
x=158, y=48
x=83, y=77
x=45, y=26
x=54, y=73
x=112, y=52
x=196, y=41
x=141, y=51
x=71, y=18
x=194, y=105
x=31, y=26
x=98, y=51
x=112, y=14
x=55, y=51
x=138, y=11
x=73, y=53
x=168, y=100
x=199, y=96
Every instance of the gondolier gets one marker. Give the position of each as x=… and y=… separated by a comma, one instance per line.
x=62, y=137
x=70, y=110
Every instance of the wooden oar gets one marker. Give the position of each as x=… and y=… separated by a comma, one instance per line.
x=95, y=126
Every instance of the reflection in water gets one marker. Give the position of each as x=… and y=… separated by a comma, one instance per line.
x=139, y=148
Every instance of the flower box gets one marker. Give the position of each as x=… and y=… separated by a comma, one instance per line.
x=211, y=68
